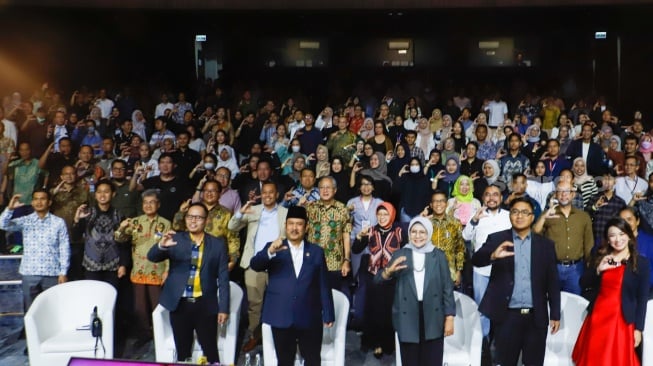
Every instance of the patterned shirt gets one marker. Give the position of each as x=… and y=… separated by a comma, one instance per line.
x=447, y=236
x=416, y=152
x=601, y=215
x=327, y=225
x=340, y=144
x=299, y=192
x=181, y=108
x=143, y=234
x=487, y=150
x=46, y=248
x=216, y=225
x=65, y=204
x=101, y=251
x=513, y=164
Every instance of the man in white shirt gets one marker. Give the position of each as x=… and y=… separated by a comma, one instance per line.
x=160, y=109
x=630, y=184
x=265, y=223
x=488, y=220
x=105, y=104
x=297, y=124
x=498, y=111
x=10, y=127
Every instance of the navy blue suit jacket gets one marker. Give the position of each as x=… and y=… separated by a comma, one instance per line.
x=301, y=302
x=596, y=161
x=213, y=271
x=634, y=291
x=544, y=278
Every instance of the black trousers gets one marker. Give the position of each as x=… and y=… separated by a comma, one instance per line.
x=424, y=353
x=189, y=317
x=518, y=333
x=286, y=341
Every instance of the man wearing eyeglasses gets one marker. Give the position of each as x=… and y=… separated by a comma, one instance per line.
x=571, y=231
x=630, y=185
x=524, y=278
x=198, y=270
x=487, y=220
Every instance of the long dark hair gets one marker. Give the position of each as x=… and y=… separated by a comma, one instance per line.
x=606, y=249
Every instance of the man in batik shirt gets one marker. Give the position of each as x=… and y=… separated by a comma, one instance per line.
x=329, y=227
x=216, y=221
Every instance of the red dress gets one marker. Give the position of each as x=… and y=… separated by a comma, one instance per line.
x=605, y=338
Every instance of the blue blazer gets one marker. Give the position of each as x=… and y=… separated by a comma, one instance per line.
x=301, y=302
x=634, y=291
x=596, y=160
x=544, y=278
x=213, y=271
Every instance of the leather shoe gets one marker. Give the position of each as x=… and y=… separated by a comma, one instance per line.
x=251, y=344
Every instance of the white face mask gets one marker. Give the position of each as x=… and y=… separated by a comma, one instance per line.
x=209, y=166
x=295, y=148
x=414, y=169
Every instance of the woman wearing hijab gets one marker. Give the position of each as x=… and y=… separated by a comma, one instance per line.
x=398, y=160
x=445, y=179
x=449, y=149
x=379, y=172
x=435, y=122
x=381, y=241
x=424, y=308
x=463, y=205
x=534, y=148
x=412, y=187
x=139, y=123
x=226, y=160
x=424, y=139
x=584, y=182
x=539, y=184
x=434, y=164
x=341, y=175
x=322, y=165
x=491, y=176
x=367, y=130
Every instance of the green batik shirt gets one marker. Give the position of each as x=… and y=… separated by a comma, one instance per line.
x=327, y=225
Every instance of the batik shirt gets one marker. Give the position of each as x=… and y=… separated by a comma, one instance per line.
x=327, y=225
x=143, y=233
x=447, y=236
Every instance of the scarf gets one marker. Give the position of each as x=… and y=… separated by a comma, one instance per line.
x=465, y=198
x=426, y=223
x=582, y=178
x=380, y=172
x=384, y=241
x=426, y=138
x=495, y=168
x=451, y=177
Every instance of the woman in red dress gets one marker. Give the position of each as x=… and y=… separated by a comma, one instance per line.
x=615, y=320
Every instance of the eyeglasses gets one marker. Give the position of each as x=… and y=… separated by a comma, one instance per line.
x=563, y=191
x=520, y=213
x=328, y=188
x=195, y=218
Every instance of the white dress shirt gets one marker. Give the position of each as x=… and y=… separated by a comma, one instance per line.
x=418, y=263
x=487, y=225
x=625, y=187
x=297, y=254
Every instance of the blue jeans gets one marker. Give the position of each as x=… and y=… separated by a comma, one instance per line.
x=480, y=285
x=569, y=276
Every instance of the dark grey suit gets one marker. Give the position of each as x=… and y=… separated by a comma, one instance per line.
x=438, y=301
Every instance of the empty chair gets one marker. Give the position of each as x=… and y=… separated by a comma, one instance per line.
x=164, y=343
x=57, y=323
x=559, y=346
x=333, y=339
x=463, y=348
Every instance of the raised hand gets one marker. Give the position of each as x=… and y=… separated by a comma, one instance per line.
x=503, y=251
x=247, y=208
x=167, y=241
x=83, y=211
x=277, y=246
x=14, y=202
x=396, y=265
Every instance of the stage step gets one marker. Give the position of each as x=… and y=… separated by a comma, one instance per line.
x=11, y=293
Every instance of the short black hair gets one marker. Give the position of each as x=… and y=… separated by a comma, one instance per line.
x=212, y=181
x=411, y=132
x=166, y=155
x=41, y=190
x=198, y=204
x=105, y=182
x=523, y=200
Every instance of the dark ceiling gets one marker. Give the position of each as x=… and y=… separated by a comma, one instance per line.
x=312, y=4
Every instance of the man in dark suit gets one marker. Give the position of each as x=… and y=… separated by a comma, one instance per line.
x=197, y=260
x=524, y=276
x=590, y=151
x=298, y=298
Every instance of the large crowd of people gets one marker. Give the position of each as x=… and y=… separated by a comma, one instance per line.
x=113, y=181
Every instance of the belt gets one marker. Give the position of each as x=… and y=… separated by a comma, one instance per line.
x=570, y=262
x=191, y=300
x=522, y=311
